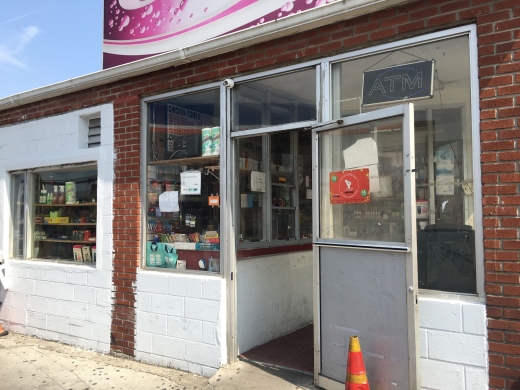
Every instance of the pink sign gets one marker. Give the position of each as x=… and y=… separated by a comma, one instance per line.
x=135, y=29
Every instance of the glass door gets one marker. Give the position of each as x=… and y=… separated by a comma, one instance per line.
x=364, y=246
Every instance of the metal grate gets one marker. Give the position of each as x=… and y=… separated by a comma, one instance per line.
x=94, y=132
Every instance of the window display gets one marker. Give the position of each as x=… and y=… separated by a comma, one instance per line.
x=61, y=214
x=183, y=185
x=443, y=154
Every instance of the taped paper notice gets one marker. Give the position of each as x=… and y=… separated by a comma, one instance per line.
x=190, y=183
x=257, y=181
x=363, y=154
x=169, y=201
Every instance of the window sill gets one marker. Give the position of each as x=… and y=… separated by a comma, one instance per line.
x=62, y=262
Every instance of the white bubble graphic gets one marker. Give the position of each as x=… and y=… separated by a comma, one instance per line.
x=319, y=3
x=132, y=31
x=125, y=20
x=143, y=29
x=158, y=23
x=148, y=9
x=308, y=1
x=157, y=14
x=111, y=23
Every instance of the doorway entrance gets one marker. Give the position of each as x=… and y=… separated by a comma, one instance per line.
x=364, y=257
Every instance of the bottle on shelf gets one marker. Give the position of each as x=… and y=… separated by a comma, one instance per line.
x=55, y=195
x=49, y=198
x=61, y=195
x=43, y=196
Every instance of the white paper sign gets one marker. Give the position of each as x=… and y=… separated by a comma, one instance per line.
x=257, y=181
x=169, y=202
x=190, y=183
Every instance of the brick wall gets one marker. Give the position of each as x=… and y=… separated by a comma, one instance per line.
x=498, y=30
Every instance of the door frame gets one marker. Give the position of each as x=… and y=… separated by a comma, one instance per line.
x=406, y=111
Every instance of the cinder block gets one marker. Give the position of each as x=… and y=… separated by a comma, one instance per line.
x=77, y=311
x=207, y=355
x=44, y=289
x=151, y=359
x=18, y=316
x=168, y=347
x=64, y=291
x=457, y=348
x=476, y=378
x=440, y=315
x=48, y=146
x=186, y=329
x=100, y=279
x=16, y=300
x=474, y=318
x=26, y=286
x=43, y=334
x=424, y=343
x=37, y=320
x=77, y=278
x=178, y=364
x=30, y=148
x=68, y=142
x=210, y=333
x=4, y=313
x=99, y=314
x=82, y=329
x=59, y=126
x=144, y=301
x=149, y=322
x=143, y=342
x=54, y=275
x=167, y=304
x=101, y=333
x=202, y=309
x=37, y=304
x=183, y=286
x=153, y=282
x=208, y=372
x=85, y=294
x=56, y=306
x=441, y=376
x=103, y=297
x=212, y=289
x=195, y=368
x=35, y=272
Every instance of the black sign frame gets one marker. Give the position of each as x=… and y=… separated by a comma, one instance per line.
x=416, y=76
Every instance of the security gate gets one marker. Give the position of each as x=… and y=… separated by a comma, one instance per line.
x=364, y=258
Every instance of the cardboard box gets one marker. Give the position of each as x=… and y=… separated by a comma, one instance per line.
x=86, y=253
x=94, y=254
x=62, y=220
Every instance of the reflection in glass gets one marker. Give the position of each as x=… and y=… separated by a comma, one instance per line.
x=361, y=182
x=275, y=100
x=18, y=215
x=443, y=152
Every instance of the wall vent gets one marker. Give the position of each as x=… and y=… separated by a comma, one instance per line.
x=94, y=132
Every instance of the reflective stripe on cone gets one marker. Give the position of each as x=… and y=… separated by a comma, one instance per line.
x=356, y=373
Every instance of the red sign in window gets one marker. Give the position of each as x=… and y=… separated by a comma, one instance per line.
x=350, y=186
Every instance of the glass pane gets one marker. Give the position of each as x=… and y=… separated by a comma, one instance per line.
x=18, y=215
x=361, y=182
x=252, y=198
x=443, y=150
x=275, y=100
x=65, y=215
x=183, y=185
x=305, y=183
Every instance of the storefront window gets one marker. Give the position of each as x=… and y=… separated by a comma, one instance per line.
x=276, y=206
x=443, y=153
x=62, y=214
x=272, y=101
x=183, y=185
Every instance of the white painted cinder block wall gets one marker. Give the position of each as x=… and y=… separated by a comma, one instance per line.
x=66, y=302
x=274, y=297
x=453, y=344
x=181, y=321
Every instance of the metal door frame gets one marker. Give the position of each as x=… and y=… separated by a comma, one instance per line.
x=406, y=111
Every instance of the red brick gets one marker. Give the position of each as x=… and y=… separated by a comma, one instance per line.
x=497, y=124
x=493, y=17
x=510, y=200
x=512, y=313
x=509, y=90
x=512, y=290
x=356, y=40
x=488, y=135
x=510, y=178
x=494, y=38
x=370, y=27
x=497, y=103
x=496, y=80
x=494, y=312
x=512, y=338
x=413, y=26
x=497, y=145
x=502, y=256
x=508, y=68
x=442, y=20
x=474, y=11
x=502, y=278
x=488, y=114
x=487, y=93
x=491, y=244
x=500, y=190
x=503, y=324
x=500, y=167
x=511, y=222
x=381, y=34
x=504, y=134
x=454, y=6
x=423, y=13
x=493, y=289
x=509, y=156
x=495, y=60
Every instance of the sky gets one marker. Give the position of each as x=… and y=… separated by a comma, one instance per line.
x=45, y=42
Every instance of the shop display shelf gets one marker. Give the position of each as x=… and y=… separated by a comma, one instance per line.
x=283, y=208
x=67, y=241
x=65, y=205
x=66, y=224
x=282, y=185
x=188, y=161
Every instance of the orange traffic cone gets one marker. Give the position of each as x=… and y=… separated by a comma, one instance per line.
x=356, y=373
x=3, y=332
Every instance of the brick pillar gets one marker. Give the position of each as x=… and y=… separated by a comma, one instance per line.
x=499, y=67
x=126, y=224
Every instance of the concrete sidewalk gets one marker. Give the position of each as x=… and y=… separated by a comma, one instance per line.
x=30, y=363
